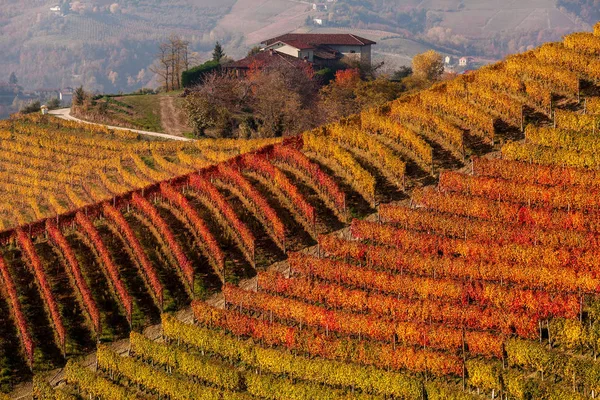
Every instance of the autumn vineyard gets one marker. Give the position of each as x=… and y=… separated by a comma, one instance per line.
x=444, y=246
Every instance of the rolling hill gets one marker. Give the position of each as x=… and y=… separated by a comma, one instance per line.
x=443, y=246
x=108, y=47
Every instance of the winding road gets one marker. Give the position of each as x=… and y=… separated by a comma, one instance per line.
x=65, y=113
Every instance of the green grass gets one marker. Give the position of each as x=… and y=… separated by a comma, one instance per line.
x=146, y=112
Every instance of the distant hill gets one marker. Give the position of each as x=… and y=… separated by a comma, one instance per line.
x=108, y=46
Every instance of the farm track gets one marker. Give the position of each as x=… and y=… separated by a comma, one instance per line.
x=65, y=113
x=171, y=117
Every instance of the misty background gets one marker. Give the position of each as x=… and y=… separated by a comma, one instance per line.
x=108, y=45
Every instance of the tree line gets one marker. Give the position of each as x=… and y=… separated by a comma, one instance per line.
x=285, y=99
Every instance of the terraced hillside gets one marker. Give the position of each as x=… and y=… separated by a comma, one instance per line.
x=460, y=282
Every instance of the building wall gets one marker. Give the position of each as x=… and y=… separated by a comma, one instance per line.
x=292, y=51
x=366, y=54
x=361, y=53
x=66, y=99
x=309, y=54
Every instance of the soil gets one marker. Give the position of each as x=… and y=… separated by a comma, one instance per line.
x=171, y=117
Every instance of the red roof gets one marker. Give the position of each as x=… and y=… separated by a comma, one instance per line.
x=297, y=44
x=318, y=39
x=265, y=58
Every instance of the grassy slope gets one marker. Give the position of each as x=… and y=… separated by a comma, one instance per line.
x=143, y=112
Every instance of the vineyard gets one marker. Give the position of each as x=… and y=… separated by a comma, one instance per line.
x=444, y=246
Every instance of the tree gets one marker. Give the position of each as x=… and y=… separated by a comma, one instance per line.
x=283, y=99
x=196, y=75
x=32, y=107
x=253, y=51
x=53, y=104
x=79, y=96
x=348, y=94
x=13, y=79
x=218, y=52
x=171, y=60
x=179, y=59
x=428, y=66
x=214, y=104
x=271, y=100
x=401, y=73
x=162, y=65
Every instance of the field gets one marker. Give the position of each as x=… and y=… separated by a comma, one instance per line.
x=441, y=247
x=47, y=50
x=154, y=113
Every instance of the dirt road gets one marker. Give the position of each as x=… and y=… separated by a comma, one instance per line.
x=171, y=117
x=65, y=113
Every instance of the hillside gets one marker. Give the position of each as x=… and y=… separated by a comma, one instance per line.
x=110, y=48
x=454, y=259
x=151, y=112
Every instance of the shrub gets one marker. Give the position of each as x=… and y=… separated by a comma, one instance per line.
x=195, y=75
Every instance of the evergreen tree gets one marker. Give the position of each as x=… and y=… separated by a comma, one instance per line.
x=13, y=79
x=79, y=96
x=253, y=51
x=218, y=52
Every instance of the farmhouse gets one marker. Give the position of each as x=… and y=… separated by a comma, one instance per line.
x=264, y=59
x=322, y=49
x=66, y=96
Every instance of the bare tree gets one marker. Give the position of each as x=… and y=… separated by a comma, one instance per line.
x=172, y=59
x=162, y=65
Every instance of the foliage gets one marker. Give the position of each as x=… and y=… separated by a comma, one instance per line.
x=301, y=208
x=401, y=73
x=343, y=162
x=277, y=361
x=109, y=267
x=254, y=201
x=195, y=75
x=349, y=94
x=17, y=313
x=79, y=96
x=44, y=288
x=148, y=270
x=95, y=385
x=225, y=214
x=184, y=265
x=327, y=188
x=53, y=104
x=202, y=368
x=74, y=271
x=428, y=66
x=206, y=239
x=32, y=107
x=218, y=53
x=319, y=343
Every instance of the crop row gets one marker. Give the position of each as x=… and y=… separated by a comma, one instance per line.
x=398, y=309
x=531, y=277
x=370, y=326
x=460, y=292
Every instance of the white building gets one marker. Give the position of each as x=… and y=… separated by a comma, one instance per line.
x=66, y=96
x=322, y=49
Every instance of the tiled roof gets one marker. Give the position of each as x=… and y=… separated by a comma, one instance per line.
x=297, y=44
x=265, y=58
x=317, y=39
